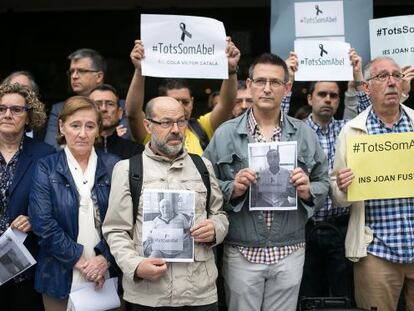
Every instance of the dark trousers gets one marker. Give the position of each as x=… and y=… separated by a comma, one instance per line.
x=211, y=307
x=20, y=296
x=326, y=272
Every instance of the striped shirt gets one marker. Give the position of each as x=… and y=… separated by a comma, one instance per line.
x=392, y=220
x=273, y=254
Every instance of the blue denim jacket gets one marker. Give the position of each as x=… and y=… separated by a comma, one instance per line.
x=228, y=153
x=53, y=209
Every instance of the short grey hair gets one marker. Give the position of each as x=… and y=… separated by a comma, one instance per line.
x=149, y=109
x=97, y=60
x=33, y=85
x=367, y=69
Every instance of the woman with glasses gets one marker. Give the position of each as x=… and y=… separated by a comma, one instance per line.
x=20, y=111
x=68, y=203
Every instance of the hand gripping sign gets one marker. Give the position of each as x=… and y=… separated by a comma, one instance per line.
x=179, y=46
x=323, y=60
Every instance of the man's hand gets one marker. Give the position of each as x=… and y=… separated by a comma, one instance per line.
x=356, y=62
x=408, y=72
x=233, y=54
x=344, y=179
x=292, y=64
x=121, y=130
x=301, y=182
x=151, y=269
x=21, y=223
x=204, y=231
x=242, y=181
x=137, y=54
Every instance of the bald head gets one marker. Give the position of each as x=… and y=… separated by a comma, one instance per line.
x=165, y=122
x=163, y=103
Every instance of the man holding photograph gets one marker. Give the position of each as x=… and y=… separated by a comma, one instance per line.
x=151, y=283
x=264, y=250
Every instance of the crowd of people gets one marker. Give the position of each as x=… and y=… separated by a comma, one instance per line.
x=72, y=191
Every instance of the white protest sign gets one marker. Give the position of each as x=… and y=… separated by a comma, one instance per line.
x=323, y=60
x=393, y=37
x=179, y=46
x=321, y=18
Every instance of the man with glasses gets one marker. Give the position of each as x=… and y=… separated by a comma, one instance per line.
x=151, y=283
x=86, y=72
x=380, y=234
x=264, y=250
x=107, y=100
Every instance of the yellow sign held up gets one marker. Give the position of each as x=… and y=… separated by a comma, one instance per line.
x=383, y=166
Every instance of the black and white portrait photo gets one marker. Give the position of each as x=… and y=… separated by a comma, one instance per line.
x=12, y=260
x=273, y=164
x=167, y=219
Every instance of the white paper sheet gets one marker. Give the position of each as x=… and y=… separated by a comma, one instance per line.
x=323, y=61
x=179, y=46
x=86, y=298
x=14, y=256
x=321, y=18
x=393, y=37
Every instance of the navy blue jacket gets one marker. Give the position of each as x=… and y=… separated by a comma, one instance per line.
x=53, y=209
x=18, y=193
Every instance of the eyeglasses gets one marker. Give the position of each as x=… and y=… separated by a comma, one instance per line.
x=324, y=94
x=169, y=124
x=384, y=76
x=107, y=103
x=14, y=110
x=261, y=82
x=79, y=71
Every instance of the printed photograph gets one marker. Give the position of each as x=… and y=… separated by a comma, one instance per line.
x=12, y=260
x=273, y=163
x=167, y=218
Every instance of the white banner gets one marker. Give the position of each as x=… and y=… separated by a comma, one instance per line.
x=322, y=18
x=393, y=37
x=323, y=60
x=179, y=46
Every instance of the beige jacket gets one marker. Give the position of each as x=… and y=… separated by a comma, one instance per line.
x=183, y=283
x=358, y=236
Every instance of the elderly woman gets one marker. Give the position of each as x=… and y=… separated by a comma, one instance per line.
x=20, y=111
x=68, y=203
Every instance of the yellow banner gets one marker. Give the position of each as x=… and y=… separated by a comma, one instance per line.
x=383, y=166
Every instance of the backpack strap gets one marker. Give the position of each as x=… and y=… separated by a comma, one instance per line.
x=205, y=176
x=195, y=126
x=135, y=182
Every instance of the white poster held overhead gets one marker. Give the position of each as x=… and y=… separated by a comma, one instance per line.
x=393, y=37
x=321, y=18
x=323, y=60
x=178, y=46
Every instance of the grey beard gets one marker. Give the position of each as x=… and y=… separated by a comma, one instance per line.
x=166, y=149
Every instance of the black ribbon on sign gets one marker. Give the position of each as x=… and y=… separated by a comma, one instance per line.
x=185, y=32
x=318, y=10
x=322, y=50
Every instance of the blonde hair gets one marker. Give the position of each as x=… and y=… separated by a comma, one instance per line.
x=72, y=105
